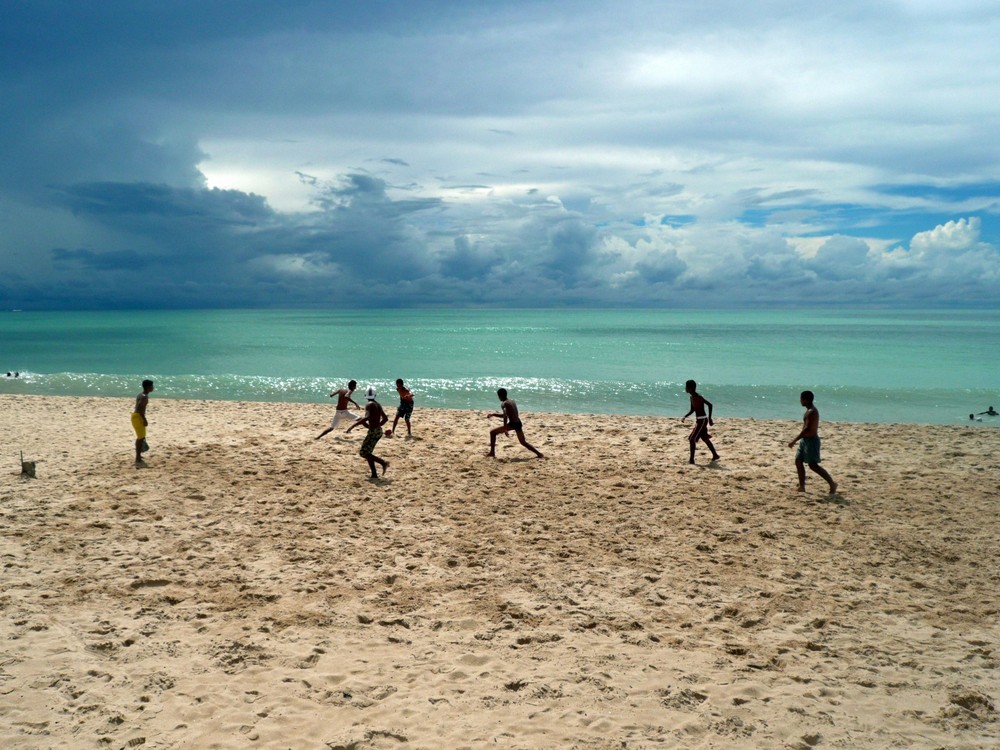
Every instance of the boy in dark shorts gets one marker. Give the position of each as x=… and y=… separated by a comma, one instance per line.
x=701, y=420
x=373, y=419
x=511, y=421
x=808, y=440
x=405, y=408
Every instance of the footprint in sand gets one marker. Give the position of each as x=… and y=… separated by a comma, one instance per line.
x=312, y=660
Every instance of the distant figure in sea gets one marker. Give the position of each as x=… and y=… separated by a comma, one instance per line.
x=405, y=408
x=139, y=421
x=808, y=440
x=343, y=414
x=701, y=420
x=972, y=417
x=373, y=419
x=511, y=421
x=991, y=412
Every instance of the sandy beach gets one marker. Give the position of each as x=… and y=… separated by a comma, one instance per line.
x=251, y=588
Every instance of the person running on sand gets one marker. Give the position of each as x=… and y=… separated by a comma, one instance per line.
x=342, y=414
x=405, y=408
x=373, y=419
x=701, y=420
x=511, y=421
x=808, y=441
x=139, y=421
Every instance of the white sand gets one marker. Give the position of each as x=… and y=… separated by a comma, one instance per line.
x=251, y=588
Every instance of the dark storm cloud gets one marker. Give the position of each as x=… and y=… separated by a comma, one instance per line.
x=661, y=267
x=466, y=261
x=571, y=250
x=197, y=237
x=164, y=203
x=83, y=259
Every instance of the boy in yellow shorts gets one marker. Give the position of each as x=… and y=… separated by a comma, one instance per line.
x=139, y=422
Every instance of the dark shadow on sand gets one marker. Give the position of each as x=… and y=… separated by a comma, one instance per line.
x=835, y=499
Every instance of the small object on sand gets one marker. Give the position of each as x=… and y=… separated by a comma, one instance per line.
x=388, y=433
x=27, y=468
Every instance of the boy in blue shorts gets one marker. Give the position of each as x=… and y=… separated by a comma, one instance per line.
x=405, y=408
x=808, y=440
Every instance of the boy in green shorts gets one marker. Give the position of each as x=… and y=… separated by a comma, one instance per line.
x=373, y=419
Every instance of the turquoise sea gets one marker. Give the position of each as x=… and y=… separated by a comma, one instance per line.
x=864, y=365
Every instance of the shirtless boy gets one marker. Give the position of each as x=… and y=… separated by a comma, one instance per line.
x=139, y=421
x=808, y=440
x=511, y=421
x=373, y=419
x=343, y=414
x=701, y=420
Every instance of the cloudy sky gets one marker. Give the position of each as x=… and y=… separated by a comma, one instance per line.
x=505, y=152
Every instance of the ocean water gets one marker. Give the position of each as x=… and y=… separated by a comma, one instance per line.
x=912, y=366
